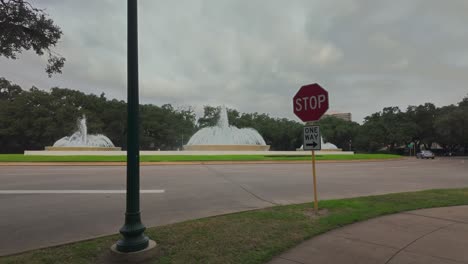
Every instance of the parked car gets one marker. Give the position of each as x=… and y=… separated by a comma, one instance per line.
x=425, y=154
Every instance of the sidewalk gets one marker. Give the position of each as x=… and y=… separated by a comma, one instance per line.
x=438, y=235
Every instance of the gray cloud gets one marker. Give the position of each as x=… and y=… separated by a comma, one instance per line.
x=254, y=55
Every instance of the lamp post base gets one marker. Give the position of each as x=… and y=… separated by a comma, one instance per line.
x=142, y=256
x=133, y=237
x=132, y=244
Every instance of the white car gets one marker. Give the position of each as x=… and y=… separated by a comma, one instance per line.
x=425, y=154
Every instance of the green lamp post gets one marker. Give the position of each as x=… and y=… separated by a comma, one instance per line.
x=133, y=237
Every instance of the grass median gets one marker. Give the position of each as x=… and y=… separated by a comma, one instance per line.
x=252, y=236
x=182, y=158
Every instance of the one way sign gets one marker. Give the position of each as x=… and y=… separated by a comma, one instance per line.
x=312, y=138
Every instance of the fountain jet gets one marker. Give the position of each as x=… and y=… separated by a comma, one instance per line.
x=80, y=140
x=226, y=137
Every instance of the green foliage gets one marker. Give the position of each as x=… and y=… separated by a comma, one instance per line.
x=165, y=128
x=24, y=27
x=279, y=133
x=210, y=116
x=424, y=117
x=340, y=132
x=33, y=119
x=389, y=129
x=424, y=125
x=452, y=126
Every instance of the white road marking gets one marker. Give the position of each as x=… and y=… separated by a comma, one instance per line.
x=349, y=165
x=41, y=174
x=74, y=191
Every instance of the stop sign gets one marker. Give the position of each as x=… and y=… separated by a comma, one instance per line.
x=310, y=102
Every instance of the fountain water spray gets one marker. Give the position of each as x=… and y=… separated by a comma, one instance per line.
x=226, y=137
x=81, y=138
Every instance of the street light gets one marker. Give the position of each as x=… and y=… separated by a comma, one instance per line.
x=133, y=237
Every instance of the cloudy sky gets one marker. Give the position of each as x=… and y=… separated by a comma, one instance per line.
x=253, y=55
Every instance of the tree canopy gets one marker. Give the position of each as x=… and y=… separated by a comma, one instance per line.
x=24, y=27
x=33, y=119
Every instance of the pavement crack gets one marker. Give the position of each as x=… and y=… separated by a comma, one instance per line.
x=220, y=175
x=256, y=196
x=414, y=241
x=438, y=218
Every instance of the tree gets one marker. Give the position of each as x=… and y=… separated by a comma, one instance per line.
x=464, y=102
x=390, y=129
x=463, y=112
x=449, y=127
x=398, y=129
x=24, y=27
x=8, y=91
x=371, y=135
x=279, y=133
x=337, y=131
x=32, y=119
x=423, y=116
x=210, y=116
x=165, y=127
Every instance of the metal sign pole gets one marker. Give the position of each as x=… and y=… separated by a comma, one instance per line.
x=315, y=182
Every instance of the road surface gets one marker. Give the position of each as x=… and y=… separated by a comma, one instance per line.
x=30, y=221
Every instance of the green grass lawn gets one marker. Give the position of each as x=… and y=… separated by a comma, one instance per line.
x=252, y=236
x=163, y=158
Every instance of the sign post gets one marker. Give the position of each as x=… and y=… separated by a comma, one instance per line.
x=312, y=142
x=309, y=104
x=314, y=175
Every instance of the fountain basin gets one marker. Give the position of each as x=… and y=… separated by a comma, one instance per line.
x=227, y=147
x=333, y=150
x=52, y=148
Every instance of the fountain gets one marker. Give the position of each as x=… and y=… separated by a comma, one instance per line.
x=328, y=145
x=225, y=137
x=80, y=140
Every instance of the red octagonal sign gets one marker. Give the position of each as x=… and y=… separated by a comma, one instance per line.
x=310, y=102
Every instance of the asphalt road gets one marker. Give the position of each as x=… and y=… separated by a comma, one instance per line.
x=29, y=221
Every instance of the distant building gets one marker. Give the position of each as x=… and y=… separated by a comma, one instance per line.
x=344, y=116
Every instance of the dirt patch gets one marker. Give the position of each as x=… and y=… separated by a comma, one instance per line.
x=310, y=212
